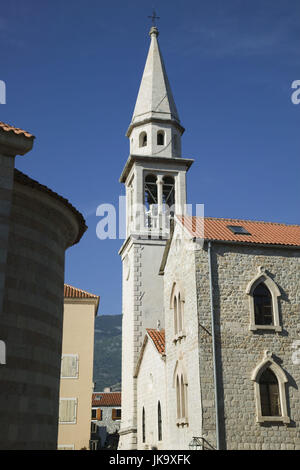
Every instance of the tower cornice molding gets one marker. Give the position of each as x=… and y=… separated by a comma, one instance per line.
x=183, y=162
x=154, y=120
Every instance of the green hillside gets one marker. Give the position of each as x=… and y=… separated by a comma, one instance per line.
x=107, y=352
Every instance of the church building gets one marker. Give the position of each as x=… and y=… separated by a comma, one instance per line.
x=211, y=325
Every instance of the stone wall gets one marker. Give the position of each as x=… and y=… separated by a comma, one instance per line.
x=6, y=186
x=41, y=228
x=240, y=350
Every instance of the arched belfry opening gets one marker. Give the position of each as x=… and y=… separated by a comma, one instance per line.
x=160, y=138
x=150, y=191
x=169, y=194
x=143, y=139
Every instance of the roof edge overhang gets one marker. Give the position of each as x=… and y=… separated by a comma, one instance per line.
x=156, y=120
x=84, y=301
x=257, y=245
x=185, y=162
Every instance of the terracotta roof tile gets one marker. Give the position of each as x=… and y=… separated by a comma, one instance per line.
x=267, y=233
x=16, y=130
x=71, y=292
x=158, y=338
x=106, y=399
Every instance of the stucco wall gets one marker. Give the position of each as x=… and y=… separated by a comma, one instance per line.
x=78, y=338
x=151, y=390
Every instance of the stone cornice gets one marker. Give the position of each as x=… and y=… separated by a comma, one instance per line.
x=185, y=162
x=155, y=120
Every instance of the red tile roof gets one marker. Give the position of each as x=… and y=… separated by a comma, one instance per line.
x=71, y=292
x=268, y=233
x=16, y=130
x=106, y=399
x=158, y=338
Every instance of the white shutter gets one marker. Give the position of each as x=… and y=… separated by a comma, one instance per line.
x=69, y=366
x=67, y=410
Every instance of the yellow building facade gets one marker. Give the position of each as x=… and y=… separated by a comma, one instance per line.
x=76, y=383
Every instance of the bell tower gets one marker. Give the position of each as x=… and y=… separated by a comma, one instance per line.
x=155, y=180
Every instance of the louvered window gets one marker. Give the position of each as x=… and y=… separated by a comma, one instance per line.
x=116, y=413
x=67, y=410
x=69, y=366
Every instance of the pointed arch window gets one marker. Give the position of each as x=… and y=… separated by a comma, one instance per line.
x=160, y=138
x=180, y=385
x=264, y=302
x=262, y=305
x=269, y=394
x=177, y=305
x=143, y=426
x=143, y=139
x=270, y=391
x=159, y=422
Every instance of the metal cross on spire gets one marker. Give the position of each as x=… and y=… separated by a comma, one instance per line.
x=154, y=17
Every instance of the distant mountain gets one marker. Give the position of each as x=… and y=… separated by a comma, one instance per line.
x=107, y=352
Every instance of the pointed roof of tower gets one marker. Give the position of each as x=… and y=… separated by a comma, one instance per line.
x=155, y=99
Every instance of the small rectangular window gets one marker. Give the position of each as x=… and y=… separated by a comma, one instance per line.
x=68, y=410
x=116, y=413
x=69, y=366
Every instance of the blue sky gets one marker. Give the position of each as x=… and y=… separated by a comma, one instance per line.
x=72, y=71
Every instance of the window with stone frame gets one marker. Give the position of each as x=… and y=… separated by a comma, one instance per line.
x=264, y=302
x=270, y=391
x=177, y=304
x=262, y=305
x=181, y=386
x=181, y=399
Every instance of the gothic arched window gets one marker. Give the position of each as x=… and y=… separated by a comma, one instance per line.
x=177, y=305
x=264, y=302
x=180, y=384
x=270, y=391
x=262, y=305
x=178, y=398
x=175, y=316
x=160, y=138
x=182, y=393
x=159, y=422
x=269, y=394
x=143, y=426
x=143, y=139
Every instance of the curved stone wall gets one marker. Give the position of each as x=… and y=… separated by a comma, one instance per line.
x=42, y=226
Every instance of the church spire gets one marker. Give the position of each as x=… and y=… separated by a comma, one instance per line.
x=155, y=99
